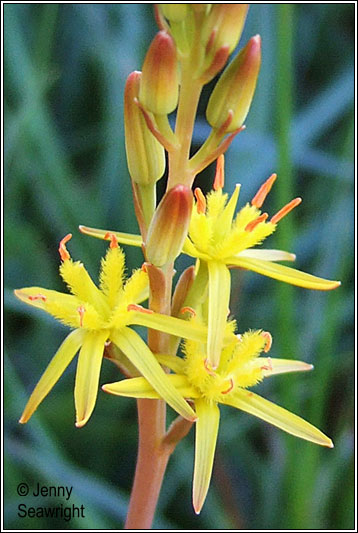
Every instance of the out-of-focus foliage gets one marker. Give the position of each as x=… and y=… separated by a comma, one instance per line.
x=66, y=65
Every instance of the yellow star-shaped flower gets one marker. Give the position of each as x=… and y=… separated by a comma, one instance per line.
x=99, y=315
x=240, y=367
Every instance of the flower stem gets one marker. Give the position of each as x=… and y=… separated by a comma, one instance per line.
x=152, y=455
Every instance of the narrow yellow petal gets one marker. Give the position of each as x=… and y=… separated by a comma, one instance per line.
x=267, y=255
x=176, y=364
x=55, y=369
x=143, y=359
x=141, y=388
x=168, y=324
x=273, y=414
x=284, y=273
x=39, y=297
x=271, y=367
x=87, y=375
x=219, y=297
x=122, y=238
x=206, y=427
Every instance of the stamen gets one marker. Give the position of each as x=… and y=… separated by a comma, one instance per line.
x=268, y=337
x=38, y=297
x=136, y=307
x=81, y=311
x=62, y=247
x=219, y=180
x=268, y=366
x=200, y=201
x=285, y=210
x=188, y=310
x=230, y=387
x=144, y=267
x=208, y=368
x=111, y=236
x=263, y=191
x=252, y=225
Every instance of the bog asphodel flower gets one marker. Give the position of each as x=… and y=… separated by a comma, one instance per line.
x=240, y=367
x=220, y=240
x=99, y=315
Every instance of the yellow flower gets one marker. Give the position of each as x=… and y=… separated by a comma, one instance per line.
x=220, y=240
x=240, y=367
x=100, y=315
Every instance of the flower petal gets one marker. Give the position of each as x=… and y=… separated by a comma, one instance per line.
x=141, y=388
x=87, y=375
x=271, y=367
x=122, y=238
x=176, y=364
x=53, y=372
x=273, y=414
x=142, y=358
x=267, y=255
x=168, y=324
x=284, y=273
x=219, y=297
x=206, y=427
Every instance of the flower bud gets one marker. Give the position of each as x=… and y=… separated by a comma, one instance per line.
x=159, y=88
x=169, y=226
x=224, y=26
x=234, y=91
x=145, y=155
x=174, y=12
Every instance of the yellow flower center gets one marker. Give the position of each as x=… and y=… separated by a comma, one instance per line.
x=239, y=365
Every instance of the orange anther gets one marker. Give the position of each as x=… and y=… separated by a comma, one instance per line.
x=285, y=210
x=268, y=337
x=263, y=191
x=38, y=297
x=62, y=247
x=208, y=368
x=220, y=173
x=188, y=310
x=252, y=225
x=144, y=267
x=136, y=307
x=230, y=387
x=200, y=201
x=81, y=311
x=111, y=236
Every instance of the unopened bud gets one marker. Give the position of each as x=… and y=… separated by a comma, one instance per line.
x=224, y=26
x=169, y=226
x=174, y=12
x=159, y=88
x=145, y=155
x=235, y=89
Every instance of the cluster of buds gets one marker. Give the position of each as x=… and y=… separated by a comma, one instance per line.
x=192, y=46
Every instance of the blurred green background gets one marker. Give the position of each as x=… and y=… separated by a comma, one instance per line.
x=66, y=65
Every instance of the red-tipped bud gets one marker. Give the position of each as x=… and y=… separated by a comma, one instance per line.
x=235, y=89
x=145, y=156
x=159, y=88
x=169, y=226
x=223, y=26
